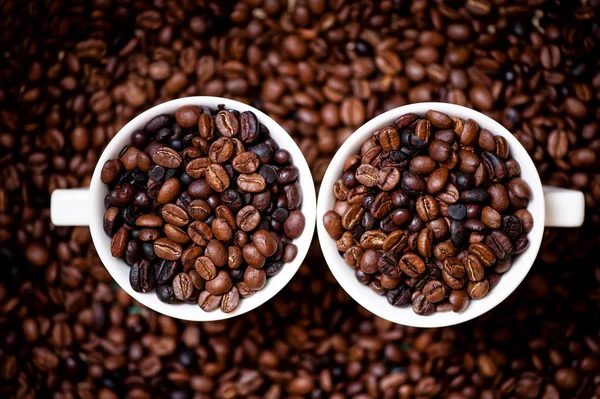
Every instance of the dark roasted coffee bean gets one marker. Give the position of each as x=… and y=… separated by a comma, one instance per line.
x=141, y=276
x=399, y=296
x=458, y=233
x=500, y=244
x=512, y=226
x=293, y=195
x=494, y=165
x=165, y=271
x=165, y=294
x=413, y=184
x=459, y=300
x=157, y=123
x=422, y=306
x=133, y=252
x=457, y=211
x=387, y=263
x=111, y=221
x=412, y=264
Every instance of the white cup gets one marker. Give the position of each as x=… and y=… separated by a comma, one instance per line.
x=550, y=206
x=85, y=207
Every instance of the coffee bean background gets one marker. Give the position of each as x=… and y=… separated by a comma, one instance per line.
x=73, y=73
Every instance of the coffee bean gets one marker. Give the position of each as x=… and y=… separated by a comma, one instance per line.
x=249, y=127
x=478, y=290
x=188, y=115
x=196, y=168
x=157, y=123
x=246, y=162
x=167, y=157
x=111, y=221
x=169, y=191
x=367, y=175
x=118, y=243
x=182, y=286
x=473, y=267
x=413, y=184
x=219, y=285
x=434, y=291
x=141, y=276
x=264, y=241
x=221, y=150
x=439, y=150
x=175, y=215
x=165, y=294
x=255, y=279
x=230, y=300
x=251, y=183
x=389, y=139
x=439, y=119
x=227, y=123
x=457, y=211
x=411, y=264
x=500, y=244
x=425, y=242
x=519, y=188
x=111, y=170
x=458, y=233
x=167, y=249
x=294, y=224
x=217, y=177
x=498, y=197
x=526, y=219
x=459, y=300
x=491, y=218
x=209, y=302
x=495, y=167
x=388, y=178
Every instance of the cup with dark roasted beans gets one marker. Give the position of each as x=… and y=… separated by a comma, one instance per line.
x=201, y=208
x=435, y=210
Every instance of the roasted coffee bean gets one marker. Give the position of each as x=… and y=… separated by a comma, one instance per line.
x=388, y=178
x=294, y=224
x=111, y=170
x=413, y=184
x=478, y=290
x=182, y=286
x=176, y=234
x=427, y=208
x=175, y=215
x=473, y=267
x=443, y=250
x=439, y=119
x=216, y=251
x=521, y=244
x=422, y=306
x=437, y=180
x=200, y=233
x=434, y=291
x=498, y=197
x=458, y=233
x=439, y=228
x=491, y=217
x=457, y=211
x=230, y=301
x=526, y=219
x=208, y=302
x=484, y=253
x=475, y=196
x=387, y=263
x=494, y=165
x=167, y=249
x=399, y=296
x=396, y=241
x=246, y=162
x=412, y=264
x=221, y=230
x=255, y=279
x=227, y=123
x=220, y=284
x=133, y=251
x=459, y=299
x=221, y=150
x=141, y=276
x=111, y=221
x=425, y=243
x=422, y=165
x=500, y=244
x=251, y=183
x=118, y=244
x=293, y=195
x=165, y=294
x=512, y=226
x=519, y=188
x=167, y=157
x=367, y=175
x=454, y=267
x=217, y=177
x=439, y=150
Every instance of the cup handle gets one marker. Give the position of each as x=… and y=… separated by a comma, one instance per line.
x=564, y=208
x=70, y=207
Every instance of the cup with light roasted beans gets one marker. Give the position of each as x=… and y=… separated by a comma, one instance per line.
x=202, y=208
x=435, y=210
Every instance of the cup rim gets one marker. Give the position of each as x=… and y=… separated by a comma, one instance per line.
x=378, y=304
x=117, y=267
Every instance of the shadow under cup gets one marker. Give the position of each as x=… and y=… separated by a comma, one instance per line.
x=378, y=304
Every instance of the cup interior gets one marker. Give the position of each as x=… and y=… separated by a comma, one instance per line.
x=119, y=270
x=378, y=304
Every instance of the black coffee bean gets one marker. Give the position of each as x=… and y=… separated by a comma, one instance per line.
x=165, y=294
x=141, y=276
x=512, y=226
x=464, y=181
x=263, y=150
x=148, y=251
x=457, y=211
x=475, y=196
x=272, y=268
x=157, y=123
x=458, y=234
x=166, y=270
x=236, y=275
x=399, y=296
x=233, y=199
x=269, y=173
x=163, y=135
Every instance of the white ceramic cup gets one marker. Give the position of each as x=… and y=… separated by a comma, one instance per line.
x=550, y=206
x=85, y=207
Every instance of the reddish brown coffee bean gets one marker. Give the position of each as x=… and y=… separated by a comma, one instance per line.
x=167, y=157
x=367, y=175
x=118, y=243
x=189, y=256
x=230, y=300
x=176, y=234
x=169, y=191
x=200, y=233
x=167, y=249
x=227, y=123
x=217, y=177
x=149, y=234
x=246, y=162
x=221, y=230
x=253, y=256
x=478, y=290
x=221, y=150
x=216, y=251
x=182, y=286
x=412, y=264
x=251, y=183
x=437, y=180
x=459, y=300
x=265, y=242
x=427, y=208
x=209, y=302
x=188, y=115
x=220, y=284
x=196, y=168
x=255, y=279
x=439, y=119
x=434, y=291
x=111, y=171
x=175, y=215
x=234, y=257
x=290, y=252
x=294, y=224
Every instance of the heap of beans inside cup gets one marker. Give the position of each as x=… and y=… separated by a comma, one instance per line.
x=431, y=212
x=203, y=206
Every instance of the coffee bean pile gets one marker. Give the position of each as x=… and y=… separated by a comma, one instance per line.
x=72, y=73
x=203, y=206
x=431, y=212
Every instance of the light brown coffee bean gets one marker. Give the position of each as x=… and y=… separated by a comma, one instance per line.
x=367, y=175
x=217, y=177
x=484, y=253
x=491, y=217
x=176, y=234
x=149, y=221
x=189, y=256
x=251, y=183
x=434, y=291
x=200, y=233
x=167, y=157
x=427, y=208
x=206, y=126
x=439, y=119
x=221, y=150
x=205, y=268
x=230, y=300
x=221, y=230
x=227, y=123
x=196, y=168
x=118, y=244
x=255, y=279
x=437, y=180
x=479, y=289
x=169, y=191
x=425, y=242
x=234, y=257
x=411, y=264
x=175, y=215
x=246, y=162
x=220, y=284
x=443, y=250
x=207, y=301
x=396, y=241
x=217, y=252
x=182, y=286
x=167, y=249
x=473, y=267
